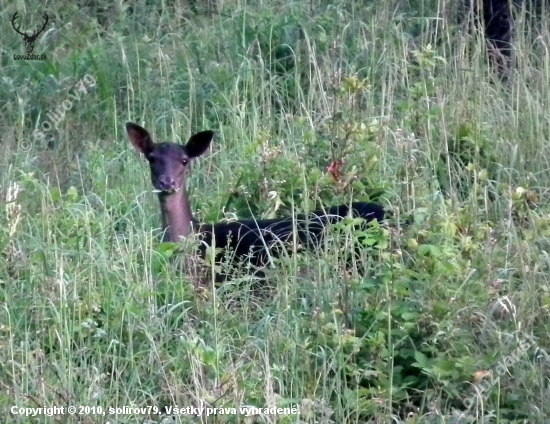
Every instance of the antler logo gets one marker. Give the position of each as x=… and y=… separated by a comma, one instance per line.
x=28, y=39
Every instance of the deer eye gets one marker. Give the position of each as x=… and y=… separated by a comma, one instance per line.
x=184, y=162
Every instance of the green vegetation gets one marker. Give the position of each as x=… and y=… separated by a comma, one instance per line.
x=402, y=107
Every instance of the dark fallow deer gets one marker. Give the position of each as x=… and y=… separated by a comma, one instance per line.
x=250, y=239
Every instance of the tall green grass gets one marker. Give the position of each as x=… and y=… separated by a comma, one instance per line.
x=94, y=313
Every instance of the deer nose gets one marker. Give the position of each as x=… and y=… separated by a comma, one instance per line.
x=166, y=183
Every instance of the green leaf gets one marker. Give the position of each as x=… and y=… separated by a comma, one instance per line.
x=421, y=360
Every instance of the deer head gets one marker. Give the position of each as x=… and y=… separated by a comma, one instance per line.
x=169, y=163
x=28, y=39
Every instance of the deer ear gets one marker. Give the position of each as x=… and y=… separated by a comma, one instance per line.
x=199, y=143
x=140, y=138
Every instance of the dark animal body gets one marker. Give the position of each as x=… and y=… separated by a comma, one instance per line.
x=252, y=239
x=496, y=21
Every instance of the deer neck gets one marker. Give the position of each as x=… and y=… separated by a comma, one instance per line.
x=177, y=219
